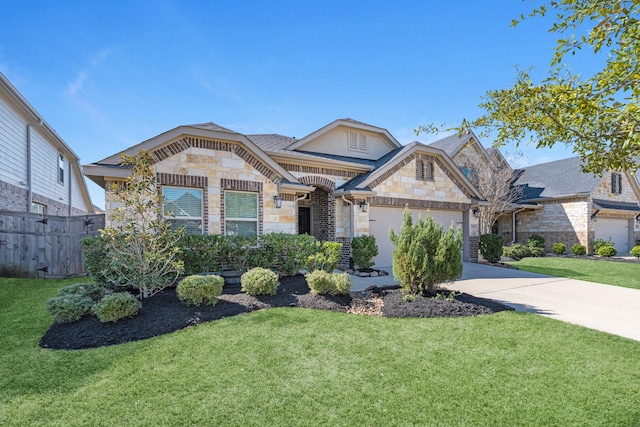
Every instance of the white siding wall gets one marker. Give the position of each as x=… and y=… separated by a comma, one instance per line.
x=13, y=152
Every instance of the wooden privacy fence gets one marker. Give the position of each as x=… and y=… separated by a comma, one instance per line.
x=44, y=246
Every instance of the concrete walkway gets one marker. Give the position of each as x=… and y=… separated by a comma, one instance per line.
x=606, y=308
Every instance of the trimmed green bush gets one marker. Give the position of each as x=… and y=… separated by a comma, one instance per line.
x=599, y=243
x=201, y=252
x=116, y=306
x=364, y=250
x=101, y=261
x=491, y=247
x=425, y=255
x=607, y=251
x=536, y=241
x=559, y=248
x=578, y=249
x=260, y=281
x=291, y=252
x=322, y=282
x=517, y=251
x=69, y=308
x=342, y=283
x=537, y=251
x=198, y=290
x=94, y=291
x=325, y=256
x=635, y=251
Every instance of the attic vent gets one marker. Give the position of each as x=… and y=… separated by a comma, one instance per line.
x=358, y=142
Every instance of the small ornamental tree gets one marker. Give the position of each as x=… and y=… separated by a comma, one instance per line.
x=144, y=249
x=425, y=255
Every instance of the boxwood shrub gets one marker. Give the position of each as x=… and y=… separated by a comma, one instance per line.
x=517, y=251
x=559, y=248
x=635, y=251
x=491, y=247
x=260, y=281
x=607, y=251
x=322, y=282
x=116, y=306
x=198, y=290
x=578, y=249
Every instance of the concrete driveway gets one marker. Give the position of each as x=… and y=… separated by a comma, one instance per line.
x=606, y=308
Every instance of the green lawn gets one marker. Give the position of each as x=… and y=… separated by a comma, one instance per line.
x=623, y=274
x=292, y=366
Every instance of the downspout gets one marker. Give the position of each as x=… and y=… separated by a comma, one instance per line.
x=513, y=224
x=351, y=227
x=70, y=192
x=29, y=173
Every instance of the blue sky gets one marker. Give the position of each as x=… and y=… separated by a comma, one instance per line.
x=110, y=74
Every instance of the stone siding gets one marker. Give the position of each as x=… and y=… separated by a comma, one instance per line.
x=14, y=199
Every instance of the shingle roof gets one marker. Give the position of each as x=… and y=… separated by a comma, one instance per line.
x=452, y=143
x=211, y=126
x=271, y=142
x=354, y=182
x=558, y=178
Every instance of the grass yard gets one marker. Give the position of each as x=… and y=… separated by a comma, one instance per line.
x=292, y=366
x=623, y=274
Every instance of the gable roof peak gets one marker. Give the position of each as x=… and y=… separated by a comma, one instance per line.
x=211, y=126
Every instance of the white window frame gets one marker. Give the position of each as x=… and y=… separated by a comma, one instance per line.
x=38, y=208
x=61, y=168
x=236, y=219
x=176, y=217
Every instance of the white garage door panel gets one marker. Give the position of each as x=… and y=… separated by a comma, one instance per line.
x=382, y=218
x=616, y=230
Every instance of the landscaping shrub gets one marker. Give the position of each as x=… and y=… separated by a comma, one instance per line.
x=607, y=251
x=425, y=255
x=536, y=241
x=491, y=247
x=537, y=251
x=99, y=257
x=291, y=251
x=517, y=251
x=559, y=248
x=259, y=281
x=116, y=306
x=198, y=290
x=578, y=249
x=635, y=251
x=599, y=243
x=364, y=249
x=94, y=291
x=69, y=308
x=201, y=252
x=322, y=282
x=325, y=256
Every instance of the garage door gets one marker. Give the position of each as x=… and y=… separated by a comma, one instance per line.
x=616, y=230
x=383, y=218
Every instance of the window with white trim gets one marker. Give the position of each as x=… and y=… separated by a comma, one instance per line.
x=240, y=213
x=60, y=168
x=182, y=207
x=38, y=208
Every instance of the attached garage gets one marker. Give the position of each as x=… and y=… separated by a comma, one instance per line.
x=383, y=218
x=614, y=229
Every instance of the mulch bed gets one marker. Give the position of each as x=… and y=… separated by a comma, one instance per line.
x=164, y=313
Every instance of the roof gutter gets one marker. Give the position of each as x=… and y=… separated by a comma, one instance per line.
x=29, y=161
x=513, y=224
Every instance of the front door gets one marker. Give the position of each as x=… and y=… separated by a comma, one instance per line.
x=304, y=220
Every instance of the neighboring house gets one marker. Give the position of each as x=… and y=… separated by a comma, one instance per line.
x=564, y=204
x=559, y=201
x=346, y=179
x=39, y=173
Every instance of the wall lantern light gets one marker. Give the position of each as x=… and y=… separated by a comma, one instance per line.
x=278, y=201
x=363, y=206
x=593, y=215
x=476, y=212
